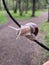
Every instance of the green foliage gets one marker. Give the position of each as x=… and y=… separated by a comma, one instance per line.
x=47, y=38
x=45, y=29
x=3, y=19
x=25, y=16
